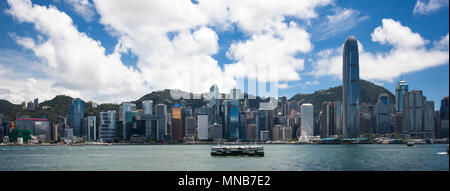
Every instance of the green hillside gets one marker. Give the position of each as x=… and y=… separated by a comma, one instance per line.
x=368, y=94
x=59, y=106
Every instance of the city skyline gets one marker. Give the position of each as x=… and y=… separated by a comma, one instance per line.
x=306, y=56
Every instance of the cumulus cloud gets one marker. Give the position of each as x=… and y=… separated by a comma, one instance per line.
x=84, y=8
x=143, y=28
x=174, y=41
x=408, y=54
x=75, y=61
x=270, y=56
x=425, y=7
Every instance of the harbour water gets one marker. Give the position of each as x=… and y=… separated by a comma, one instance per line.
x=372, y=157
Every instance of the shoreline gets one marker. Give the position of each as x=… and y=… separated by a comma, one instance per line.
x=143, y=144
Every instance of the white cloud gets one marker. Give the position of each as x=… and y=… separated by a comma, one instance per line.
x=341, y=21
x=75, y=61
x=442, y=44
x=425, y=7
x=408, y=54
x=255, y=16
x=270, y=56
x=143, y=28
x=394, y=33
x=84, y=8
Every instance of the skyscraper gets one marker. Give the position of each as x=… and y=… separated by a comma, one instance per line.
x=177, y=129
x=90, y=123
x=350, y=85
x=190, y=126
x=307, y=121
x=214, y=104
x=400, y=89
x=383, y=114
x=147, y=106
x=107, y=126
x=123, y=109
x=328, y=121
x=161, y=112
x=202, y=121
x=338, y=118
x=233, y=132
x=76, y=116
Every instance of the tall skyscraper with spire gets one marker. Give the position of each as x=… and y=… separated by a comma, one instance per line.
x=400, y=89
x=350, y=85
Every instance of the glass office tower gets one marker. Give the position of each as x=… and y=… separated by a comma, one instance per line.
x=76, y=117
x=350, y=85
x=400, y=89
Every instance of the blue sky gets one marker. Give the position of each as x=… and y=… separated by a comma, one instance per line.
x=111, y=52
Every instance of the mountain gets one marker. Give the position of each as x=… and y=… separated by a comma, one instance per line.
x=59, y=106
x=368, y=94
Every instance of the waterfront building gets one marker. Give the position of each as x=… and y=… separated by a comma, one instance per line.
x=443, y=118
x=351, y=88
x=242, y=125
x=251, y=132
x=412, y=106
x=123, y=109
x=282, y=133
x=398, y=122
x=68, y=133
x=161, y=113
x=216, y=131
x=328, y=121
x=428, y=117
x=264, y=135
x=444, y=129
x=177, y=123
x=202, y=121
x=262, y=122
x=107, y=126
x=146, y=128
x=234, y=108
x=129, y=123
x=307, y=121
x=38, y=127
x=190, y=124
x=224, y=113
x=338, y=118
x=383, y=111
x=76, y=117
x=147, y=105
x=400, y=89
x=365, y=123
x=90, y=126
x=418, y=115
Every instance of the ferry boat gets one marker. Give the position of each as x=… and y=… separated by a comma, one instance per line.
x=236, y=150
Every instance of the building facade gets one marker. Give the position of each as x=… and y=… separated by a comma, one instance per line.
x=351, y=88
x=107, y=127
